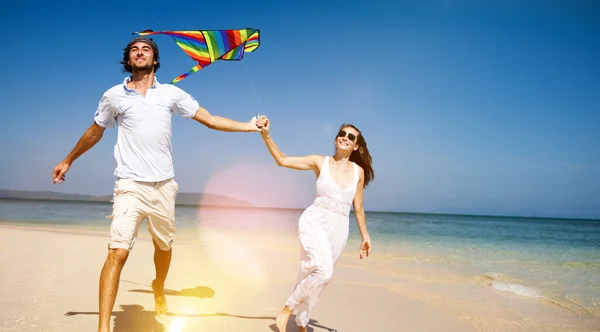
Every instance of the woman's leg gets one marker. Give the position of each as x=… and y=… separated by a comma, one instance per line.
x=336, y=238
x=316, y=269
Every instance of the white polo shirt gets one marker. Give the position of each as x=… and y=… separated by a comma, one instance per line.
x=143, y=151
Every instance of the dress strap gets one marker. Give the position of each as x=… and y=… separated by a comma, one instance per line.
x=325, y=166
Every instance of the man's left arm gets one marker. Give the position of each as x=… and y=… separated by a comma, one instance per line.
x=188, y=107
x=220, y=123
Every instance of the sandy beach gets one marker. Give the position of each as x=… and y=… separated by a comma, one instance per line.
x=50, y=282
x=223, y=281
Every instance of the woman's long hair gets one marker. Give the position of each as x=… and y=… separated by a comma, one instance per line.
x=361, y=156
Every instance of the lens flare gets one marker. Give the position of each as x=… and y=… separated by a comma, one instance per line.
x=177, y=324
x=262, y=184
x=232, y=235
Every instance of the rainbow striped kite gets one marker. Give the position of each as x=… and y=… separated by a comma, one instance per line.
x=208, y=46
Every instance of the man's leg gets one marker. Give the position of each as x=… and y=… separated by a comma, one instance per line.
x=161, y=225
x=109, y=285
x=128, y=214
x=162, y=262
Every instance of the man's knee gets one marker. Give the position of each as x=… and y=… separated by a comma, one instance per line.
x=160, y=245
x=162, y=230
x=118, y=256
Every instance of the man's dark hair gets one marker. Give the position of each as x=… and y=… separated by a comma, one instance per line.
x=127, y=67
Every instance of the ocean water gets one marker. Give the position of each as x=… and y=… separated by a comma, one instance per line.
x=552, y=260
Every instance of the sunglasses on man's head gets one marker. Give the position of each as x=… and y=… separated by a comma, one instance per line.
x=343, y=133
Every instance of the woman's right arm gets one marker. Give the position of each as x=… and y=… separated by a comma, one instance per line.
x=306, y=163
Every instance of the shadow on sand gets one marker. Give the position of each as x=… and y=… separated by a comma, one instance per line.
x=200, y=292
x=133, y=318
x=291, y=326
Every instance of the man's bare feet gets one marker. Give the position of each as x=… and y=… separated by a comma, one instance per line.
x=282, y=319
x=160, y=302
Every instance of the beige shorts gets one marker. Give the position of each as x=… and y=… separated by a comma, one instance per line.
x=135, y=201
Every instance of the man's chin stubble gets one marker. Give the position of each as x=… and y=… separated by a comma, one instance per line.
x=142, y=70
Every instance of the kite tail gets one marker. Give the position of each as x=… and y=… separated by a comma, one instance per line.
x=182, y=76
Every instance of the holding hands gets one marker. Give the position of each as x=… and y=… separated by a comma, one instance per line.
x=256, y=123
x=263, y=125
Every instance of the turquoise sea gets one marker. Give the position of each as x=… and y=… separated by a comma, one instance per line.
x=545, y=259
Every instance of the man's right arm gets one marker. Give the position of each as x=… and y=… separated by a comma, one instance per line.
x=91, y=136
x=104, y=117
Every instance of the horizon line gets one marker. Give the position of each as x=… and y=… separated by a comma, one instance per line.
x=293, y=208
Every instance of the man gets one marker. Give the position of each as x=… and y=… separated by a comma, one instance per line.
x=145, y=188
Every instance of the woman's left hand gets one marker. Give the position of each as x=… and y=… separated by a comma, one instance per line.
x=365, y=248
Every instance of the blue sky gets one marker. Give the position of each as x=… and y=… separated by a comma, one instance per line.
x=486, y=107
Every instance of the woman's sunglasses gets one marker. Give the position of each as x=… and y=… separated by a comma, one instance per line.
x=351, y=136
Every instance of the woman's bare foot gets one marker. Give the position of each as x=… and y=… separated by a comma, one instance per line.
x=282, y=319
x=160, y=302
x=301, y=329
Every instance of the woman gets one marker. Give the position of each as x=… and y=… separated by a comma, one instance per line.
x=323, y=227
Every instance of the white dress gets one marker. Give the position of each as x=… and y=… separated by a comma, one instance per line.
x=323, y=232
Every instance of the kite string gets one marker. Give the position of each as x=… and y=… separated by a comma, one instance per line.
x=254, y=89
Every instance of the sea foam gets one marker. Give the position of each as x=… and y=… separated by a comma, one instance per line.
x=516, y=289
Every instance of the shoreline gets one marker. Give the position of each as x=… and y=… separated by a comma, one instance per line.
x=297, y=209
x=268, y=263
